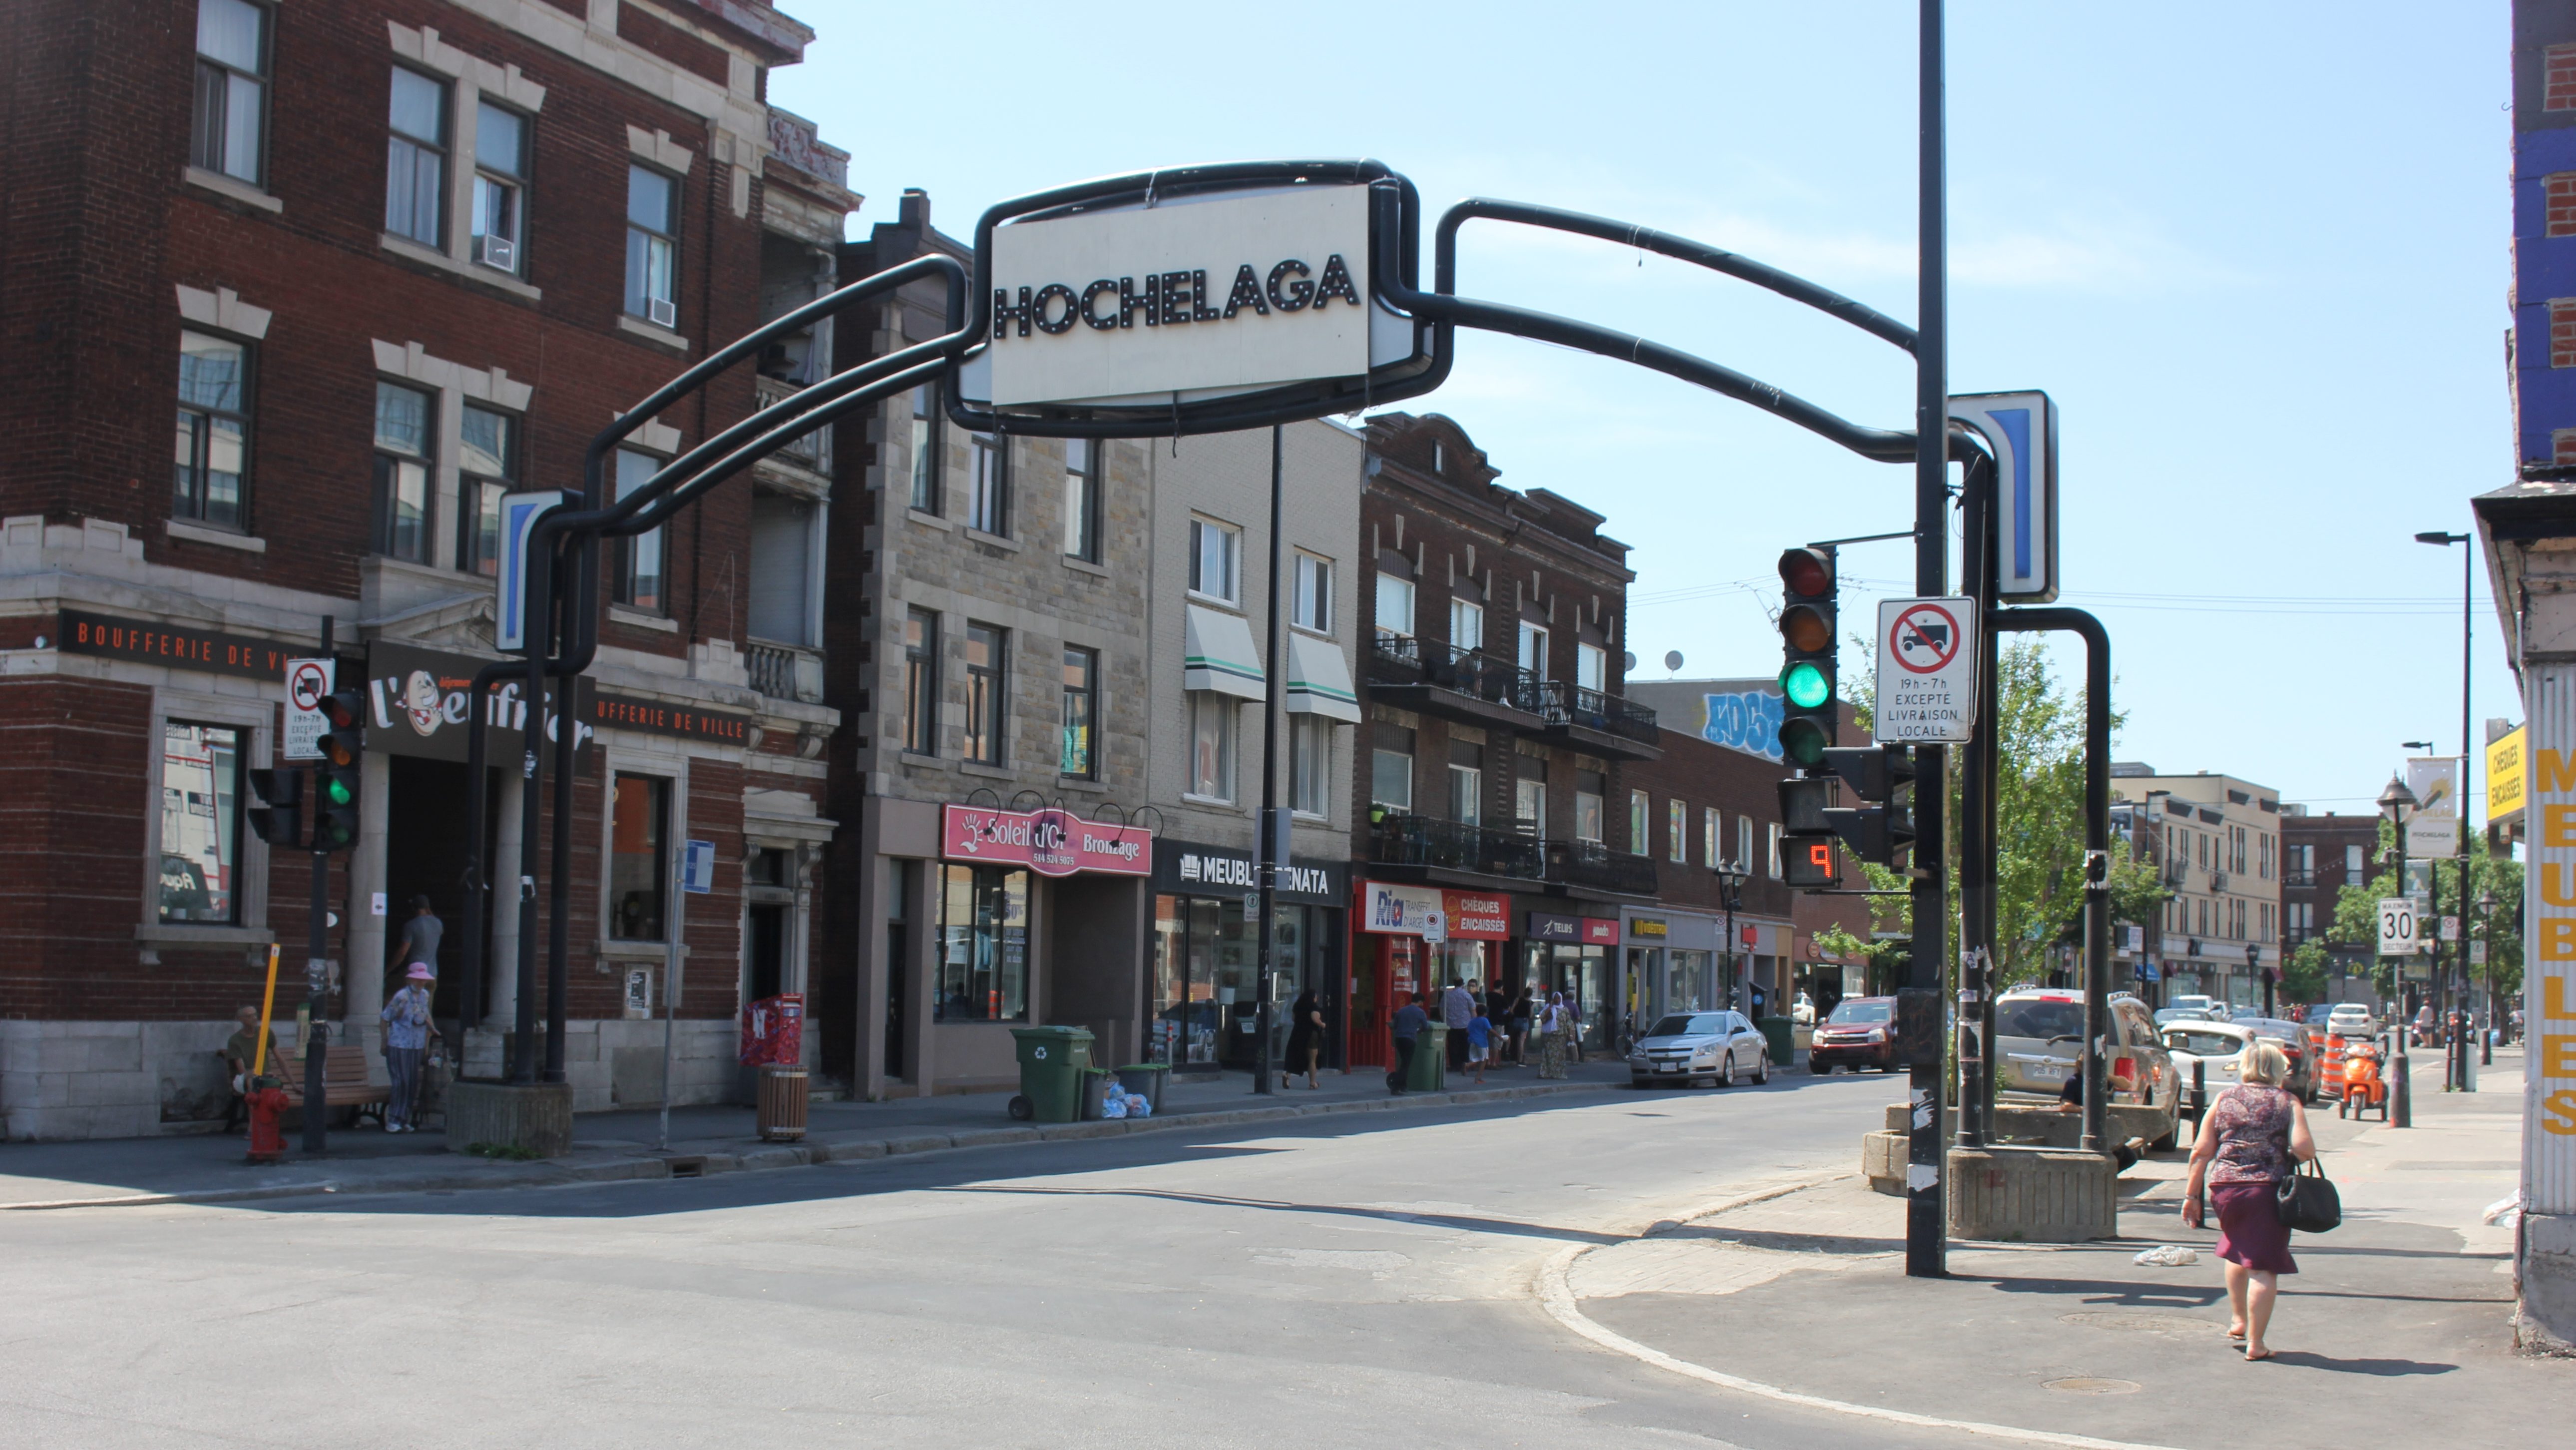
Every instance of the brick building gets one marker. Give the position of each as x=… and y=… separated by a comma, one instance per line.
x=383, y=262
x=2320, y=856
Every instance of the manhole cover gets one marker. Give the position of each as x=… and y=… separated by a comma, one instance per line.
x=2181, y=1326
x=2081, y=1386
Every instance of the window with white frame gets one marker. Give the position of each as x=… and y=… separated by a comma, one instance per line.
x=229, y=119
x=1466, y=782
x=1216, y=558
x=988, y=484
x=487, y=467
x=652, y=246
x=1533, y=656
x=1677, y=831
x=1310, y=764
x=1591, y=809
x=1744, y=842
x=925, y=449
x=201, y=819
x=1712, y=830
x=639, y=561
x=1774, y=832
x=1212, y=726
x=1592, y=667
x=1394, y=606
x=1082, y=514
x=500, y=187
x=1466, y=625
x=781, y=579
x=416, y=159
x=1529, y=797
x=403, y=493
x=1313, y=606
x=1641, y=811
x=214, y=431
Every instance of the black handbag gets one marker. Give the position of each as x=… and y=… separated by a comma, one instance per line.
x=2307, y=1201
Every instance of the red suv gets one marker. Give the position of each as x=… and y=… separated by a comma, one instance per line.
x=1860, y=1033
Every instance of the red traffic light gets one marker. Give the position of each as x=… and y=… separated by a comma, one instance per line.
x=1807, y=571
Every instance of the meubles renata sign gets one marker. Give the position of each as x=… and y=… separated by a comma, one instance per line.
x=1049, y=842
x=1225, y=292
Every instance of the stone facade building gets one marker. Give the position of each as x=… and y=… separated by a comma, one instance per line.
x=382, y=262
x=2218, y=842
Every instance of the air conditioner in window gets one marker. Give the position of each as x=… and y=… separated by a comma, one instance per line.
x=498, y=252
x=664, y=314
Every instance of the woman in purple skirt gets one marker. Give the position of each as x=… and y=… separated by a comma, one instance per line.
x=2240, y=1156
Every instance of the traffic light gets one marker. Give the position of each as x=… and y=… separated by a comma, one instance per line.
x=335, y=805
x=278, y=819
x=1806, y=833
x=1883, y=826
x=1807, y=647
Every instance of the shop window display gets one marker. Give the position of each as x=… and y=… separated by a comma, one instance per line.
x=983, y=944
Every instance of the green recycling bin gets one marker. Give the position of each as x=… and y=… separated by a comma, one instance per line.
x=1784, y=1040
x=1430, y=1060
x=1052, y=1060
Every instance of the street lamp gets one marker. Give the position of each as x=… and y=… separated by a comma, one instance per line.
x=2486, y=919
x=2397, y=803
x=2455, y=1071
x=1730, y=889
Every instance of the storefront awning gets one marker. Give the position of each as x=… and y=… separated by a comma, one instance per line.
x=1220, y=655
x=1319, y=682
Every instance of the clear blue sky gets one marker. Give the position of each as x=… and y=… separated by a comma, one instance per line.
x=2258, y=254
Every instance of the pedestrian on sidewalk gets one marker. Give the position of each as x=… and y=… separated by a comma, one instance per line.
x=1305, y=1039
x=241, y=1050
x=407, y=1033
x=419, y=939
x=2240, y=1156
x=1480, y=1041
x=1522, y=1009
x=1410, y=1019
x=1551, y=1036
x=1457, y=1009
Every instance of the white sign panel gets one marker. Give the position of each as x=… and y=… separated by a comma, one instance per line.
x=1405, y=910
x=2396, y=926
x=519, y=515
x=698, y=867
x=1221, y=293
x=1927, y=670
x=308, y=682
x=2434, y=829
x=2021, y=428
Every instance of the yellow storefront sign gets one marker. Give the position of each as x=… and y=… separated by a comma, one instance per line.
x=2505, y=776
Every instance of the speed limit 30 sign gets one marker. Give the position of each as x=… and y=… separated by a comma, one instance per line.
x=2396, y=926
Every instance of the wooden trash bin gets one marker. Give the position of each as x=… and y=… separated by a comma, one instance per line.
x=782, y=1104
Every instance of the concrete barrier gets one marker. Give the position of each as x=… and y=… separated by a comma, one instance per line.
x=2036, y=1126
x=2033, y=1195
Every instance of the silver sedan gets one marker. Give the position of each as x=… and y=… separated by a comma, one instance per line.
x=1693, y=1047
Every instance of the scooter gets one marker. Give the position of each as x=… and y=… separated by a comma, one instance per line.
x=2363, y=1086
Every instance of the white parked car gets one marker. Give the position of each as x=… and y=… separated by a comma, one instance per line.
x=1693, y=1047
x=2213, y=1045
x=2352, y=1019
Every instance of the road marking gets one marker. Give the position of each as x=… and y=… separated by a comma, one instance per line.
x=1556, y=1296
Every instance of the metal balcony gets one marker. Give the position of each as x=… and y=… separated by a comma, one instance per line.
x=2293, y=876
x=785, y=672
x=1456, y=684
x=813, y=452
x=1592, y=865
x=1595, y=720
x=1398, y=839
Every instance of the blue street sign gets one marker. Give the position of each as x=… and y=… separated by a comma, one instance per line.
x=2021, y=428
x=698, y=867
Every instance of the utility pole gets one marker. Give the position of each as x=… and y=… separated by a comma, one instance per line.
x=1271, y=850
x=2397, y=803
x=1919, y=1005
x=317, y=971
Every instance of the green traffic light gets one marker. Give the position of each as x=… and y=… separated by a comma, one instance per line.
x=338, y=791
x=1805, y=685
x=1803, y=742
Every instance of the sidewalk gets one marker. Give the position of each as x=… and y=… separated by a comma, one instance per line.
x=2412, y=1288
x=208, y=1168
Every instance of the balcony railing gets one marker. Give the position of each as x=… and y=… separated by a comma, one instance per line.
x=813, y=450
x=1398, y=839
x=1469, y=672
x=2295, y=876
x=1563, y=703
x=784, y=672
x=1590, y=863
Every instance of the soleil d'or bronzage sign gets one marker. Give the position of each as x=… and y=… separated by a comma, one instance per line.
x=1217, y=293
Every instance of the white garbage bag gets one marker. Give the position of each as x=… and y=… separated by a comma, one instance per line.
x=2168, y=1256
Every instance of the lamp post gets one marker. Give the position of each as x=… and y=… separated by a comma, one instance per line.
x=2486, y=919
x=2455, y=986
x=1730, y=889
x=2397, y=803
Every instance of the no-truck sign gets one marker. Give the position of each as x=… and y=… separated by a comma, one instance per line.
x=308, y=683
x=1927, y=670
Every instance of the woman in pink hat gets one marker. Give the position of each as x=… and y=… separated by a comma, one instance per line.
x=407, y=1033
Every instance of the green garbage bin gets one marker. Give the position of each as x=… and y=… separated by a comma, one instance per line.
x=1146, y=1079
x=1051, y=1064
x=1784, y=1042
x=1430, y=1060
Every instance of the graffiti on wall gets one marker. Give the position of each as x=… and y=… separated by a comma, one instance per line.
x=1747, y=720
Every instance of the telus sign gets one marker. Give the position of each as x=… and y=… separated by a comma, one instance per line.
x=1226, y=291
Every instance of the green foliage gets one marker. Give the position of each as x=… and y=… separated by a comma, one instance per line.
x=2356, y=917
x=2303, y=975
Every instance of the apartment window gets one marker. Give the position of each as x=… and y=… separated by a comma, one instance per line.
x=986, y=672
x=983, y=945
x=2236, y=849
x=1774, y=832
x=1081, y=713
x=1312, y=607
x=2202, y=914
x=1391, y=768
x=1082, y=499
x=2264, y=849
x=1641, y=811
x=214, y=430
x=1212, y=723
x=500, y=186
x=1466, y=625
x=402, y=472
x=1590, y=813
x=652, y=246
x=2352, y=863
x=1394, y=606
x=1466, y=782
x=988, y=484
x=1310, y=756
x=921, y=682
x=1529, y=797
x=201, y=776
x=2299, y=917
x=1592, y=667
x=416, y=159
x=639, y=561
x=925, y=449
x=1677, y=832
x=1216, y=554
x=1712, y=830
x=1744, y=845
x=2200, y=844
x=638, y=862
x=487, y=462
x=780, y=585
x=2264, y=915
x=1533, y=650
x=231, y=110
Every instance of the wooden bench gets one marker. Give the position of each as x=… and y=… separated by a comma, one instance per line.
x=344, y=1077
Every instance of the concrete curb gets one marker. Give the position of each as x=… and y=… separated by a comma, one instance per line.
x=557, y=1173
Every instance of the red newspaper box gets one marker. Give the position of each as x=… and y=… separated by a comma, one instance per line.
x=773, y=1031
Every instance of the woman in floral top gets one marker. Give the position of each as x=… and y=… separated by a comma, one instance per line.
x=2240, y=1155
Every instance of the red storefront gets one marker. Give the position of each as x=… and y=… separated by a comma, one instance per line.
x=1407, y=939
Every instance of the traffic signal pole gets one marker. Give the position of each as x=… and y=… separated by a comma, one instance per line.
x=317, y=984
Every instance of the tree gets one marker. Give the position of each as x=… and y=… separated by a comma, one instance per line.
x=2356, y=917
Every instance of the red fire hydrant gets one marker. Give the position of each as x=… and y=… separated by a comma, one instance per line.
x=266, y=1100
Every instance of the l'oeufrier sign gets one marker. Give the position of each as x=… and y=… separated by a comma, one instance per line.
x=1223, y=292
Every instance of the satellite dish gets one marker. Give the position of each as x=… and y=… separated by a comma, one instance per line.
x=1631, y=657
x=1672, y=659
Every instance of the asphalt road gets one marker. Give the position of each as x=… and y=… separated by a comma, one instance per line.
x=1358, y=1280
